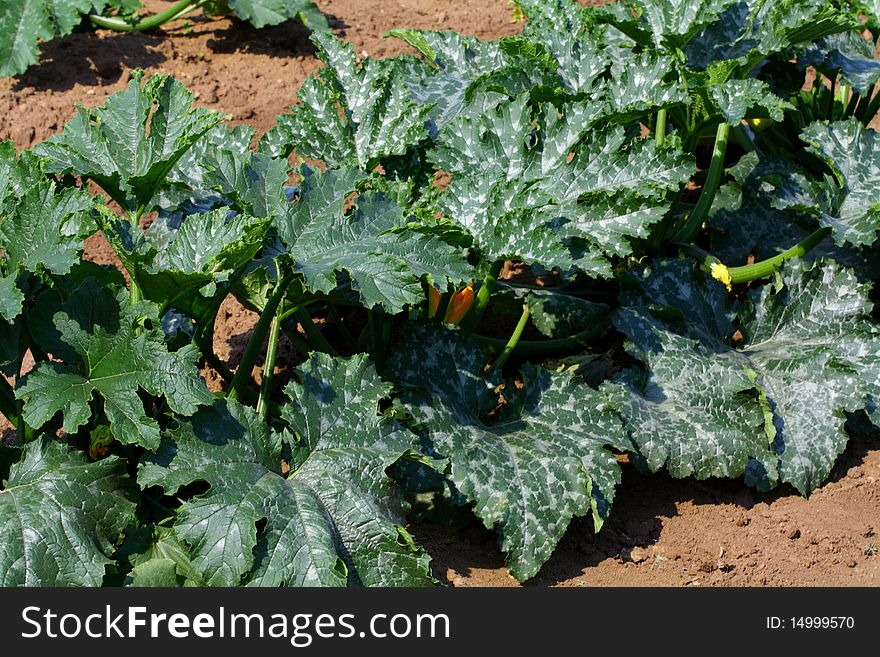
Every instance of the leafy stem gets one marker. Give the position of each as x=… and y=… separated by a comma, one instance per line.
x=269, y=367
x=660, y=127
x=313, y=333
x=121, y=25
x=380, y=332
x=514, y=339
x=716, y=170
x=545, y=348
x=249, y=357
x=469, y=323
x=8, y=402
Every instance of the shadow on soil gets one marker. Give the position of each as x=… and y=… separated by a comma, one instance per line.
x=289, y=39
x=89, y=60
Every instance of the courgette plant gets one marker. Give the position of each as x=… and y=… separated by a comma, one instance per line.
x=24, y=24
x=686, y=190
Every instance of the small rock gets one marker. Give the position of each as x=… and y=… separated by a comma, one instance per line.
x=638, y=555
x=794, y=534
x=851, y=563
x=742, y=521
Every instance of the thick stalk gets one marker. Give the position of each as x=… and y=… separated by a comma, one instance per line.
x=710, y=187
x=377, y=336
x=539, y=349
x=148, y=23
x=249, y=357
x=343, y=329
x=469, y=323
x=758, y=270
x=313, y=333
x=514, y=339
x=871, y=109
x=660, y=127
x=248, y=395
x=289, y=329
x=269, y=367
x=842, y=100
x=135, y=295
x=8, y=402
x=766, y=267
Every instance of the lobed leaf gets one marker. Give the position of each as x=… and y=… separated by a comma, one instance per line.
x=542, y=461
x=336, y=519
x=61, y=516
x=115, y=359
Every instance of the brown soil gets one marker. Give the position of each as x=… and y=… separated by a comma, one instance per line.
x=662, y=531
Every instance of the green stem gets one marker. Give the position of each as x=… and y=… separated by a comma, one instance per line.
x=842, y=100
x=248, y=395
x=470, y=321
x=269, y=367
x=313, y=333
x=249, y=357
x=8, y=402
x=514, y=339
x=539, y=349
x=710, y=187
x=378, y=334
x=135, y=294
x=741, y=137
x=217, y=363
x=871, y=109
x=343, y=329
x=120, y=25
x=660, y=127
x=765, y=268
x=289, y=329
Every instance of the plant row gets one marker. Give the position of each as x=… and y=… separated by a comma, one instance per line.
x=644, y=230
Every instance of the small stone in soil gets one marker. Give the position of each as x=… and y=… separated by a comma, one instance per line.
x=638, y=555
x=851, y=563
x=794, y=534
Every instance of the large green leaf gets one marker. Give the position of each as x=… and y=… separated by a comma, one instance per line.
x=541, y=461
x=371, y=245
x=379, y=117
x=260, y=13
x=130, y=144
x=853, y=153
x=24, y=23
x=336, y=519
x=847, y=53
x=673, y=22
x=644, y=82
x=61, y=517
x=41, y=231
x=522, y=197
x=116, y=358
x=173, y=260
x=737, y=99
x=771, y=407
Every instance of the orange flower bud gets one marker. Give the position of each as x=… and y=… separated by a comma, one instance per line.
x=459, y=304
x=433, y=300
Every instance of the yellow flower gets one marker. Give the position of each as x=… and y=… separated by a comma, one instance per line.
x=721, y=273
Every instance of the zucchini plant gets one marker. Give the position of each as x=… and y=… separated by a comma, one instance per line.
x=24, y=24
x=647, y=229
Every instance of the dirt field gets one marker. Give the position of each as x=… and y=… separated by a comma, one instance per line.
x=662, y=531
